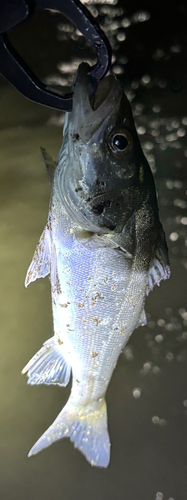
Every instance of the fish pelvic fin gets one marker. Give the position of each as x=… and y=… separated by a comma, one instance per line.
x=159, y=269
x=40, y=266
x=86, y=426
x=48, y=365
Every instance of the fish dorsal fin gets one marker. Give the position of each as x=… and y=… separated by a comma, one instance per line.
x=142, y=320
x=41, y=262
x=159, y=269
x=49, y=163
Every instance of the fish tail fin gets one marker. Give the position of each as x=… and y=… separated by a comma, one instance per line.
x=48, y=365
x=86, y=426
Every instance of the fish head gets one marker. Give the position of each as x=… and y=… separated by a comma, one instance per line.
x=100, y=181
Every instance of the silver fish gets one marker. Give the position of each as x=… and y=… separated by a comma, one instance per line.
x=104, y=249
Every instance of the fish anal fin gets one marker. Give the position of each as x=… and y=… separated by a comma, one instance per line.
x=48, y=365
x=86, y=426
x=41, y=262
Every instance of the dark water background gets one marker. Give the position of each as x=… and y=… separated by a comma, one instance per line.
x=149, y=432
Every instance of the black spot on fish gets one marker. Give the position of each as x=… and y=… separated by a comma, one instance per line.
x=76, y=137
x=98, y=209
x=112, y=227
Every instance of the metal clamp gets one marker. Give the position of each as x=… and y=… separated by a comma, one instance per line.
x=14, y=68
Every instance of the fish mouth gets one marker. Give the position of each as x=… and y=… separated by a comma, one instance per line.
x=98, y=91
x=87, y=90
x=93, y=102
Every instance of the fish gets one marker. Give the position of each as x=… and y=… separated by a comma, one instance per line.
x=104, y=249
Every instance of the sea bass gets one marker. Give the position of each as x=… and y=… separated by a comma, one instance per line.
x=104, y=249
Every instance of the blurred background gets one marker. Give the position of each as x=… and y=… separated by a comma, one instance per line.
x=147, y=397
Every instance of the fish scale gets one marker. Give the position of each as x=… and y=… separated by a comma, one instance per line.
x=104, y=249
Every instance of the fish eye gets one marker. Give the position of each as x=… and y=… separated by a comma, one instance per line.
x=120, y=140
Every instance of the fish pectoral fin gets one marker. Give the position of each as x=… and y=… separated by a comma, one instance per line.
x=142, y=320
x=93, y=241
x=159, y=269
x=86, y=426
x=89, y=239
x=49, y=163
x=107, y=241
x=40, y=266
x=48, y=365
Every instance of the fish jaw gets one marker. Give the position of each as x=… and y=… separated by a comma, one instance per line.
x=86, y=119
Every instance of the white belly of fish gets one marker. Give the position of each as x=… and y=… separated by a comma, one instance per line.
x=91, y=313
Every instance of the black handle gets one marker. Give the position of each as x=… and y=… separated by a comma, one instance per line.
x=14, y=68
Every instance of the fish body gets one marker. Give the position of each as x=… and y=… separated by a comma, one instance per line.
x=104, y=249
